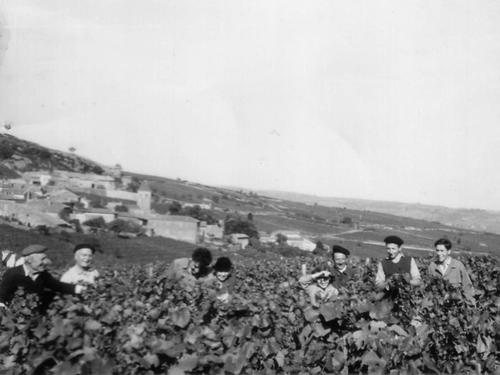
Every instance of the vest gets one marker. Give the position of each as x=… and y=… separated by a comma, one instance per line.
x=403, y=266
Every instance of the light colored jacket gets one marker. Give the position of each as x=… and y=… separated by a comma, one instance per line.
x=456, y=274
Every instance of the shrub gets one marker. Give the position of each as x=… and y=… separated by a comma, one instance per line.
x=97, y=222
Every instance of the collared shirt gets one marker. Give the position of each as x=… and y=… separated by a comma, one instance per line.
x=77, y=275
x=343, y=269
x=443, y=267
x=30, y=273
x=414, y=272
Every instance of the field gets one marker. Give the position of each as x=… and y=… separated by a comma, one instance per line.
x=136, y=322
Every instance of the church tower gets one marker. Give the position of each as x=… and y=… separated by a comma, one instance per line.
x=144, y=197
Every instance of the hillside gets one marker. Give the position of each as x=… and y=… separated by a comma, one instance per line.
x=471, y=219
x=18, y=155
x=359, y=225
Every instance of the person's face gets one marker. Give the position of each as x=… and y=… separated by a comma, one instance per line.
x=194, y=267
x=323, y=282
x=393, y=250
x=442, y=253
x=38, y=262
x=340, y=260
x=222, y=275
x=83, y=258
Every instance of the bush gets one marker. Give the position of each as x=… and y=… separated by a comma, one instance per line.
x=97, y=222
x=121, y=208
x=239, y=225
x=120, y=225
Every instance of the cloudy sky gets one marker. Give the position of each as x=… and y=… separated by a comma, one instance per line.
x=368, y=99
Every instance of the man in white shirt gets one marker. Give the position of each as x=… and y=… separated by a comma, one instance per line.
x=82, y=272
x=396, y=263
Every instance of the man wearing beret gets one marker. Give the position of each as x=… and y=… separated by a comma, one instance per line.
x=341, y=271
x=34, y=278
x=396, y=263
x=82, y=271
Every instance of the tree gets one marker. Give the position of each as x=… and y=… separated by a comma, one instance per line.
x=175, y=208
x=6, y=150
x=97, y=222
x=121, y=208
x=238, y=225
x=134, y=185
x=281, y=239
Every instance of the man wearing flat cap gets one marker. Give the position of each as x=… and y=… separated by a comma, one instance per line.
x=34, y=278
x=341, y=271
x=82, y=272
x=396, y=263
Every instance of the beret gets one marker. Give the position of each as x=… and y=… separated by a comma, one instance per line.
x=84, y=246
x=340, y=249
x=223, y=264
x=33, y=249
x=393, y=239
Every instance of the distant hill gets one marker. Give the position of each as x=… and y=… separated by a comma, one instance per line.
x=471, y=219
x=18, y=155
x=358, y=224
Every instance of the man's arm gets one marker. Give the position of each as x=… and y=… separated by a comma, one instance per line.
x=306, y=280
x=414, y=273
x=59, y=286
x=380, y=277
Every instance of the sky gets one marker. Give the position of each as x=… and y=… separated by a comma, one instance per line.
x=384, y=100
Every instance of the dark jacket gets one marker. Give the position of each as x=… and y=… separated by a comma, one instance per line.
x=44, y=285
x=341, y=278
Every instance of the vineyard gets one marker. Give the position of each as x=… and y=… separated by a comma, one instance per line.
x=136, y=322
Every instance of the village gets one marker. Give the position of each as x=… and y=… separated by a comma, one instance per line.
x=61, y=200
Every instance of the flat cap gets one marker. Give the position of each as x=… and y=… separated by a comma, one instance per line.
x=84, y=246
x=393, y=239
x=33, y=249
x=340, y=249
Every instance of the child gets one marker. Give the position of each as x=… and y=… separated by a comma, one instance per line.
x=224, y=280
x=319, y=285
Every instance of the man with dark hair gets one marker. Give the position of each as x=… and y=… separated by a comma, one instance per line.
x=396, y=264
x=190, y=271
x=34, y=278
x=341, y=271
x=448, y=268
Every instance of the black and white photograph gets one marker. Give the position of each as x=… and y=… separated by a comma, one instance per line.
x=249, y=187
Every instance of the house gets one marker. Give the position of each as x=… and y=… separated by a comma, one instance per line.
x=63, y=196
x=182, y=228
x=94, y=213
x=295, y=239
x=240, y=239
x=203, y=206
x=37, y=178
x=211, y=231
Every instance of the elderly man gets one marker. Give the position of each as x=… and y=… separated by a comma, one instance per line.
x=34, y=278
x=188, y=272
x=396, y=263
x=82, y=272
x=341, y=271
x=450, y=269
